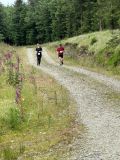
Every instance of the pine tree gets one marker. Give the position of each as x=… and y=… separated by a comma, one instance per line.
x=31, y=21
x=43, y=22
x=19, y=33
x=48, y=20
x=2, y=23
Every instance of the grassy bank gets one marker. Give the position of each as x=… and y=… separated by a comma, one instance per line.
x=38, y=122
x=98, y=51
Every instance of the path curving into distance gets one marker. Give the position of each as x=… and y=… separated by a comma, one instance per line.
x=98, y=106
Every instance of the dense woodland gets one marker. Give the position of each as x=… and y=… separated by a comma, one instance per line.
x=49, y=20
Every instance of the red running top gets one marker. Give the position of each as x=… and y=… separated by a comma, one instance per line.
x=60, y=49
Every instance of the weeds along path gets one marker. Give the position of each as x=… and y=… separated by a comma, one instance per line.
x=98, y=108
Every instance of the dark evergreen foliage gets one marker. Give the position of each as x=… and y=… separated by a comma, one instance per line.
x=49, y=20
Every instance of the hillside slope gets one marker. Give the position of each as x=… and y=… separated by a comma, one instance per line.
x=99, y=51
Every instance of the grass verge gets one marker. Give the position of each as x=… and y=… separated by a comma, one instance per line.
x=47, y=125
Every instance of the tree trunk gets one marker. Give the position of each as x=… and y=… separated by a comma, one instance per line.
x=100, y=24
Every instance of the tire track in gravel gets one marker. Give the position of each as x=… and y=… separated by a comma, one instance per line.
x=97, y=109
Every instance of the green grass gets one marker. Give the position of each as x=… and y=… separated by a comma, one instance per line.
x=96, y=43
x=48, y=117
x=5, y=48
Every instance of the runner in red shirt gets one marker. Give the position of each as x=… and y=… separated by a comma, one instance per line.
x=60, y=51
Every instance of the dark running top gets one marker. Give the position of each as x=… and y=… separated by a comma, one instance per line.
x=39, y=51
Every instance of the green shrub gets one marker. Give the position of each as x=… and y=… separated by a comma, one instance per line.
x=99, y=58
x=115, y=58
x=110, y=55
x=114, y=41
x=93, y=41
x=14, y=119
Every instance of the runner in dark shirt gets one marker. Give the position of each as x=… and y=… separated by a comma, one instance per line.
x=39, y=54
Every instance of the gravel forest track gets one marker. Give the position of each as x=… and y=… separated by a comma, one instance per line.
x=98, y=107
